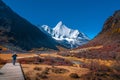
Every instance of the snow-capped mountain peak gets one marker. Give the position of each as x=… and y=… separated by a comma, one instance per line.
x=60, y=26
x=62, y=31
x=46, y=28
x=66, y=36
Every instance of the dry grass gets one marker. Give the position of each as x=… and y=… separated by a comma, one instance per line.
x=1, y=66
x=3, y=48
x=59, y=70
x=42, y=72
x=74, y=75
x=90, y=69
x=5, y=56
x=9, y=56
x=52, y=73
x=102, y=72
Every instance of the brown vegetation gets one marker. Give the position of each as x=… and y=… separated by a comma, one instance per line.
x=41, y=76
x=46, y=60
x=100, y=69
x=59, y=70
x=47, y=72
x=74, y=75
x=37, y=68
x=102, y=72
x=2, y=62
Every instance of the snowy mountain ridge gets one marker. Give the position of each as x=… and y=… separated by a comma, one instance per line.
x=65, y=36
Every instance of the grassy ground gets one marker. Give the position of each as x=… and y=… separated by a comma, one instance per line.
x=1, y=66
x=34, y=74
x=9, y=56
x=90, y=70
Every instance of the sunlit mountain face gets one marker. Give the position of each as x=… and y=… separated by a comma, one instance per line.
x=65, y=36
x=106, y=45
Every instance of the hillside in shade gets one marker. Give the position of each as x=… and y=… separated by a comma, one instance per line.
x=18, y=32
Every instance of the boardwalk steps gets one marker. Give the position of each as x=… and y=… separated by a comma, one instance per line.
x=11, y=72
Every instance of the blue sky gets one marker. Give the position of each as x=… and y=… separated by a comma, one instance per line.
x=88, y=16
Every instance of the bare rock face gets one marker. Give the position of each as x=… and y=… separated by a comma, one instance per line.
x=112, y=22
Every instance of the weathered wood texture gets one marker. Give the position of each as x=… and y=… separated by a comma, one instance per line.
x=11, y=72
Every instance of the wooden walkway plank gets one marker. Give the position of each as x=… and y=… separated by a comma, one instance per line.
x=11, y=72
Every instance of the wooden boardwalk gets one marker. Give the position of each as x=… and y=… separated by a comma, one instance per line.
x=11, y=72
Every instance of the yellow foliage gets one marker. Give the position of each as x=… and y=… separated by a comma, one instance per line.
x=3, y=48
x=116, y=30
x=106, y=62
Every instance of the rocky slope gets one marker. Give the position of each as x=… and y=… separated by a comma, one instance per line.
x=18, y=32
x=109, y=37
x=106, y=45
